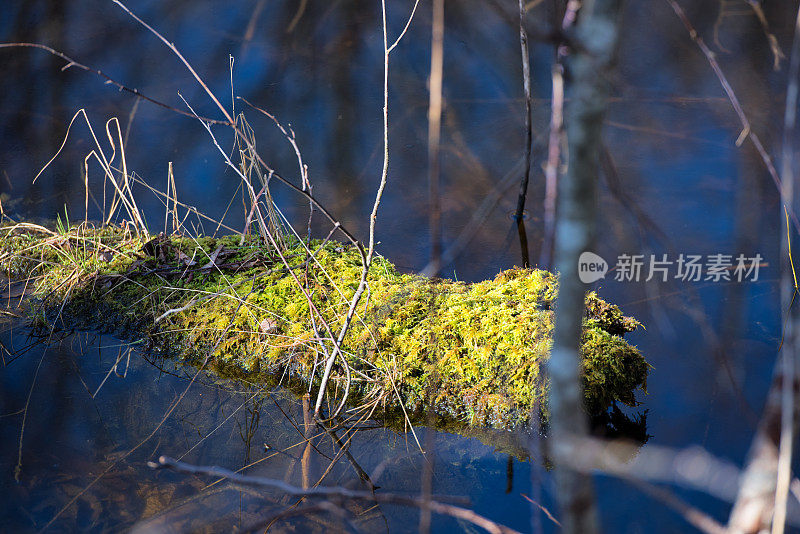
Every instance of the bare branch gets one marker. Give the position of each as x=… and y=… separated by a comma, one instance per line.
x=366, y=258
x=747, y=132
x=72, y=63
x=325, y=491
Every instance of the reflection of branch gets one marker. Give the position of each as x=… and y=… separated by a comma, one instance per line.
x=325, y=491
x=344, y=451
x=434, y=134
x=747, y=132
x=297, y=16
x=777, y=53
x=692, y=515
x=72, y=63
x=475, y=223
x=154, y=431
x=694, y=467
x=542, y=508
x=266, y=523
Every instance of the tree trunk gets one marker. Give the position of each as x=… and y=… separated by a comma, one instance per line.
x=587, y=77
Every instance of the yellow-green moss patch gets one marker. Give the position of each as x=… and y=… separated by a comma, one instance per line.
x=472, y=352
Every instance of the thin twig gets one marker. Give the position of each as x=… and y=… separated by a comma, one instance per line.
x=175, y=51
x=325, y=491
x=366, y=258
x=72, y=63
x=747, y=132
x=523, y=186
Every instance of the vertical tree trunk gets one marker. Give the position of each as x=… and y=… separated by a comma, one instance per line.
x=761, y=502
x=587, y=80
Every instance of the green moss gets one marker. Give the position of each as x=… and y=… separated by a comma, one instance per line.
x=473, y=352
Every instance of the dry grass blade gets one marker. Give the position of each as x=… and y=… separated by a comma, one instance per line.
x=121, y=184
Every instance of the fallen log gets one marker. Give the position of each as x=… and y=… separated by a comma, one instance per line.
x=470, y=352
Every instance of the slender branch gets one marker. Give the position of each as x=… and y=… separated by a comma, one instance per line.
x=175, y=51
x=326, y=491
x=405, y=28
x=523, y=186
x=747, y=132
x=366, y=257
x=73, y=63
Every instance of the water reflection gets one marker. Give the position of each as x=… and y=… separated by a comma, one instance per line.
x=670, y=135
x=84, y=450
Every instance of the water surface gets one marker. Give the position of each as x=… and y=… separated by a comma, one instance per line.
x=678, y=184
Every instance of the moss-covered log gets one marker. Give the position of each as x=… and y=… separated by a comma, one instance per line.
x=472, y=352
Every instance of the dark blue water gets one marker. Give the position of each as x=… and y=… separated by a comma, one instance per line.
x=87, y=419
x=681, y=186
